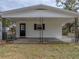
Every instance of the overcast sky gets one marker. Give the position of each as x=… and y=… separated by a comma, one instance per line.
x=13, y=4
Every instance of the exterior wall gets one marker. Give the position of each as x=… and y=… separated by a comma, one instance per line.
x=53, y=28
x=30, y=32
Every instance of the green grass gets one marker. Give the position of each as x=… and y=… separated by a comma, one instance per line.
x=39, y=51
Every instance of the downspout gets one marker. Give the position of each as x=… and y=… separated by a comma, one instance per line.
x=41, y=30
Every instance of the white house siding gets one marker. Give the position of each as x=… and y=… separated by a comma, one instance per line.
x=53, y=27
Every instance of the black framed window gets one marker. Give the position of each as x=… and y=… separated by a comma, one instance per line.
x=39, y=26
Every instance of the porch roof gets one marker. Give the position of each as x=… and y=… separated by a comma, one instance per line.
x=40, y=10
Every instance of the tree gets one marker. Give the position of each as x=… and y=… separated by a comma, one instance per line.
x=72, y=5
x=6, y=22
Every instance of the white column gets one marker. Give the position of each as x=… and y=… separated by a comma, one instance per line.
x=0, y=30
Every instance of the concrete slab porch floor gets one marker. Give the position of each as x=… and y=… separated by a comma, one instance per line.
x=37, y=41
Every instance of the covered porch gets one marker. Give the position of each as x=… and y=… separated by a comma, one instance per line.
x=49, y=29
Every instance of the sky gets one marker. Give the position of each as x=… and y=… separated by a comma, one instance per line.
x=14, y=4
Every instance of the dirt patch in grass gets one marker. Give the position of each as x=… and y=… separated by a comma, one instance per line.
x=39, y=51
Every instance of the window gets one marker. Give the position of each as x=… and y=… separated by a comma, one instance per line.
x=22, y=27
x=39, y=26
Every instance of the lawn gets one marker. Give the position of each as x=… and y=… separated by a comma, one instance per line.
x=39, y=51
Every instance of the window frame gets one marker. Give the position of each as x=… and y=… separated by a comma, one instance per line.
x=39, y=26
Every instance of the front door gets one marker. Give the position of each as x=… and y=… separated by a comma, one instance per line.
x=22, y=30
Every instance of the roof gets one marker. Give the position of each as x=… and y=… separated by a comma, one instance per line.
x=41, y=6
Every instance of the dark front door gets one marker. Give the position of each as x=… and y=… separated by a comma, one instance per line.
x=22, y=29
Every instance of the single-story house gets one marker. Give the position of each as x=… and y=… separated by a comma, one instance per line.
x=39, y=21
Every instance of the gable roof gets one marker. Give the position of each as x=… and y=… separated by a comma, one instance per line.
x=41, y=6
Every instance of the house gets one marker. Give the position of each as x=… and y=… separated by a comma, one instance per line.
x=39, y=21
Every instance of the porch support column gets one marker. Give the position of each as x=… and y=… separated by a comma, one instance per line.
x=0, y=28
x=76, y=30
